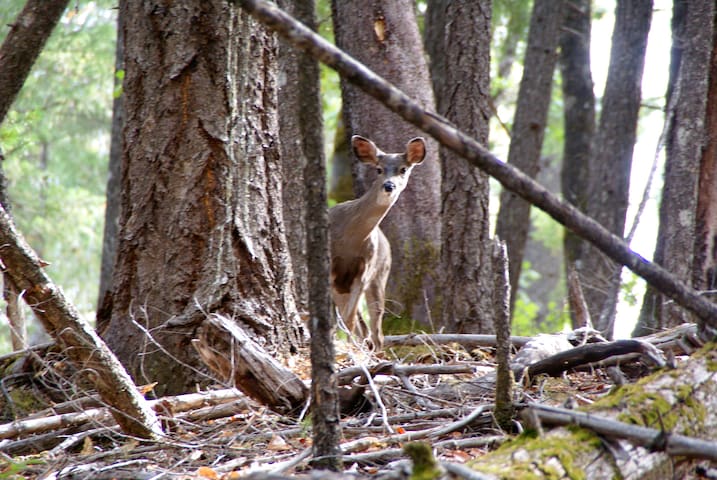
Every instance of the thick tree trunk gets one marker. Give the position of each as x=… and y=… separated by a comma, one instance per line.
x=612, y=155
x=531, y=112
x=579, y=118
x=201, y=226
x=685, y=142
x=384, y=35
x=458, y=41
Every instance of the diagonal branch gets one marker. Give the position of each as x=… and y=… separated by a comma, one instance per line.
x=23, y=44
x=82, y=344
x=510, y=177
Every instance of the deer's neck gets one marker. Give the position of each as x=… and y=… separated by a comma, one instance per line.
x=369, y=210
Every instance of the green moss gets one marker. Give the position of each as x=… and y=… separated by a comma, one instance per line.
x=531, y=457
x=423, y=258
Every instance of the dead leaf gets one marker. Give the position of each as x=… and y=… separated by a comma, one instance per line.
x=206, y=472
x=277, y=444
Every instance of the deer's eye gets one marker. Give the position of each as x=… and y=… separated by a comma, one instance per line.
x=379, y=170
x=403, y=170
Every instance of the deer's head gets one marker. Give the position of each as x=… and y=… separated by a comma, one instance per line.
x=393, y=169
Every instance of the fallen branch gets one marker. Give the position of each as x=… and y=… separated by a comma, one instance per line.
x=655, y=440
x=79, y=340
x=465, y=340
x=102, y=416
x=467, y=147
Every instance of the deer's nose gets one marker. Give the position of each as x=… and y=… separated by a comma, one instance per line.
x=389, y=186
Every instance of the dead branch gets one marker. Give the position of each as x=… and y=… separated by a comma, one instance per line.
x=468, y=341
x=102, y=416
x=24, y=42
x=510, y=177
x=229, y=351
x=80, y=341
x=656, y=440
x=348, y=375
x=591, y=353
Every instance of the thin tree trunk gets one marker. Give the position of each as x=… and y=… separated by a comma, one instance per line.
x=111, y=229
x=531, y=112
x=385, y=36
x=458, y=41
x=301, y=127
x=705, y=262
x=612, y=155
x=579, y=118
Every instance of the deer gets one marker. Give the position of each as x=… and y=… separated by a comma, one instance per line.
x=360, y=252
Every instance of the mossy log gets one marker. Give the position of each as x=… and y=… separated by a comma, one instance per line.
x=679, y=401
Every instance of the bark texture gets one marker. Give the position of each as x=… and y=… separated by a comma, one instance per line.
x=458, y=42
x=201, y=226
x=301, y=127
x=531, y=112
x=705, y=262
x=579, y=118
x=110, y=236
x=612, y=156
x=301, y=132
x=384, y=35
x=686, y=140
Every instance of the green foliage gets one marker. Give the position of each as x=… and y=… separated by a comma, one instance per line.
x=56, y=144
x=13, y=468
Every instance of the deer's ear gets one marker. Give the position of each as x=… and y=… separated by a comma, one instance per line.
x=415, y=150
x=364, y=149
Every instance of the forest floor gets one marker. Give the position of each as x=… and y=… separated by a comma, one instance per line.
x=415, y=394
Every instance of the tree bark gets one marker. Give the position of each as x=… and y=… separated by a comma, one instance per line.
x=23, y=44
x=385, y=36
x=579, y=119
x=201, y=226
x=705, y=262
x=531, y=112
x=305, y=203
x=111, y=229
x=77, y=338
x=686, y=140
x=612, y=155
x=475, y=153
x=458, y=41
x=301, y=133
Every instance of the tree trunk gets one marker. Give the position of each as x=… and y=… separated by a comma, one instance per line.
x=579, y=118
x=201, y=226
x=531, y=114
x=110, y=237
x=384, y=36
x=612, y=155
x=301, y=132
x=458, y=41
x=705, y=262
x=685, y=142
